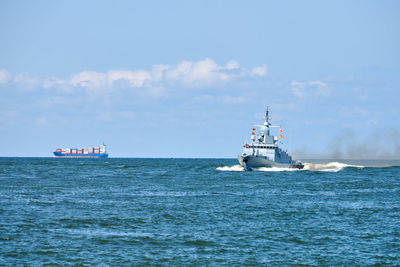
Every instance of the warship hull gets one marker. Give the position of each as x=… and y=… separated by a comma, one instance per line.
x=250, y=162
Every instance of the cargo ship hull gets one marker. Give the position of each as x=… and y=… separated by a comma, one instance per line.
x=90, y=152
x=62, y=155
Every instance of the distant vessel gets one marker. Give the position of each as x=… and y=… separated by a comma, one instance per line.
x=92, y=152
x=263, y=150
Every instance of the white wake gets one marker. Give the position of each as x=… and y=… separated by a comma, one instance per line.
x=326, y=167
x=234, y=168
x=275, y=169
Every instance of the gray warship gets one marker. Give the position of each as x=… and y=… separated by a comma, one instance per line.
x=263, y=150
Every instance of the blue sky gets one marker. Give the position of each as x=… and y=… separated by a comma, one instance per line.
x=189, y=78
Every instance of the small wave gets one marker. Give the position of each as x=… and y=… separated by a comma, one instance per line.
x=123, y=166
x=329, y=167
x=234, y=168
x=199, y=242
x=37, y=201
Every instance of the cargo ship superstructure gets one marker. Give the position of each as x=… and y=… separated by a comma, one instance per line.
x=92, y=152
x=263, y=150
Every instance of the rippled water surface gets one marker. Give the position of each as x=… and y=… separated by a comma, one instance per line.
x=196, y=212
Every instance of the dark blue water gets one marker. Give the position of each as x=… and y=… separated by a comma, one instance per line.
x=188, y=212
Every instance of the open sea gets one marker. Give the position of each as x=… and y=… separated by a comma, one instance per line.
x=179, y=212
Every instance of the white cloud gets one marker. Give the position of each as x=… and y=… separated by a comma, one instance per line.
x=317, y=83
x=135, y=78
x=5, y=76
x=52, y=82
x=309, y=89
x=155, y=81
x=90, y=80
x=158, y=71
x=206, y=71
x=259, y=71
x=182, y=69
x=26, y=82
x=201, y=73
x=232, y=65
x=297, y=91
x=321, y=88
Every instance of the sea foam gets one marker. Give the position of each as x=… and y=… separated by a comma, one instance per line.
x=326, y=167
x=234, y=168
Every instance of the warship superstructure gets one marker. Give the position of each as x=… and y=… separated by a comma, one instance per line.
x=263, y=150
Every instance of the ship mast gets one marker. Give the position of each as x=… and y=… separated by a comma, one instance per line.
x=267, y=124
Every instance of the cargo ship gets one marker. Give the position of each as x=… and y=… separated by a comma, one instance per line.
x=92, y=152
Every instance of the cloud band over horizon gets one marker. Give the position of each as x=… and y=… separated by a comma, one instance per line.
x=191, y=74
